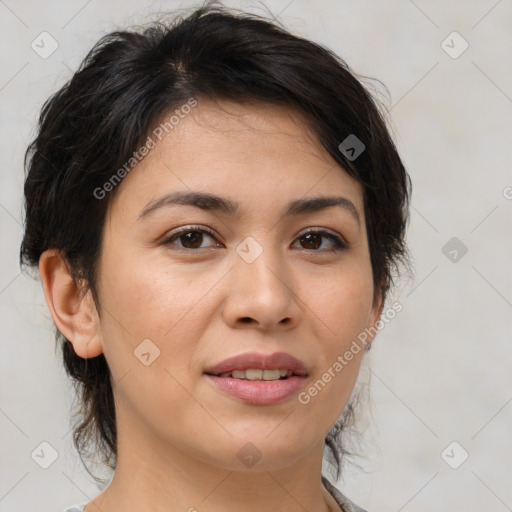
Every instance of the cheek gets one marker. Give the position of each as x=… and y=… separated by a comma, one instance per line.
x=342, y=307
x=342, y=303
x=151, y=302
x=152, y=298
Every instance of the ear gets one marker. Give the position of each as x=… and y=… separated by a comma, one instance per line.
x=376, y=311
x=73, y=312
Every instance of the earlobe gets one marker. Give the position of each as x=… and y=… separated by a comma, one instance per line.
x=73, y=312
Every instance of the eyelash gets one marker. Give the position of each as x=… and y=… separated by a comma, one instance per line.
x=337, y=240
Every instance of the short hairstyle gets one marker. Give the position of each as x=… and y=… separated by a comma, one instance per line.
x=91, y=127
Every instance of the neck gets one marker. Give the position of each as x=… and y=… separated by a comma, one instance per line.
x=164, y=479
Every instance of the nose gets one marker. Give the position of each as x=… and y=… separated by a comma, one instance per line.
x=261, y=293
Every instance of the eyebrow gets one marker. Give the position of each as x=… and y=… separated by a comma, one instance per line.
x=211, y=202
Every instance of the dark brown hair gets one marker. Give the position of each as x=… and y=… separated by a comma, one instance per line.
x=91, y=126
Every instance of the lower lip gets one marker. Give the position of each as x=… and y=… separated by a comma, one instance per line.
x=259, y=392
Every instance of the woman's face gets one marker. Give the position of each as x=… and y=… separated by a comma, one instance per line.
x=254, y=281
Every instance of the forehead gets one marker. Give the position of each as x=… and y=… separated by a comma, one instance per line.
x=257, y=152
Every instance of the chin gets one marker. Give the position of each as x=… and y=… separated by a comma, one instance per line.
x=263, y=451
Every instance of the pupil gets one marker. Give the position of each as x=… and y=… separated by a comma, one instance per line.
x=193, y=236
x=310, y=238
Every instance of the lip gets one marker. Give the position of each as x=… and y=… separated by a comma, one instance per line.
x=259, y=392
x=260, y=362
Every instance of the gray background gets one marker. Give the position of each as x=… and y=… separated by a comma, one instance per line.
x=441, y=370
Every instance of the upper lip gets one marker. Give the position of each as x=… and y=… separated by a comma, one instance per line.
x=280, y=360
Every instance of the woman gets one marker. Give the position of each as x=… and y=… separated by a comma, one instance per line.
x=216, y=210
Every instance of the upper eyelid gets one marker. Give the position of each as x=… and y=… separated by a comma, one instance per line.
x=186, y=229
x=212, y=233
x=209, y=231
x=321, y=230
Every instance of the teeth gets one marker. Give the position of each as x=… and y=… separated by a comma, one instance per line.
x=271, y=374
x=255, y=374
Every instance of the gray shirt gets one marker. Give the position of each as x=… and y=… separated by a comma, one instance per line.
x=344, y=503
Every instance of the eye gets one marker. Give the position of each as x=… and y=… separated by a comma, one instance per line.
x=191, y=237
x=312, y=240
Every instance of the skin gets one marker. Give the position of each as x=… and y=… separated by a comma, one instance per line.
x=178, y=436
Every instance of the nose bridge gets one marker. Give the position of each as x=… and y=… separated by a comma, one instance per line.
x=261, y=288
x=260, y=262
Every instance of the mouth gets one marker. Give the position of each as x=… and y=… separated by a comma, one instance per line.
x=259, y=379
x=255, y=366
x=258, y=374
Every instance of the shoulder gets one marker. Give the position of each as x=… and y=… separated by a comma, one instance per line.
x=75, y=508
x=345, y=504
